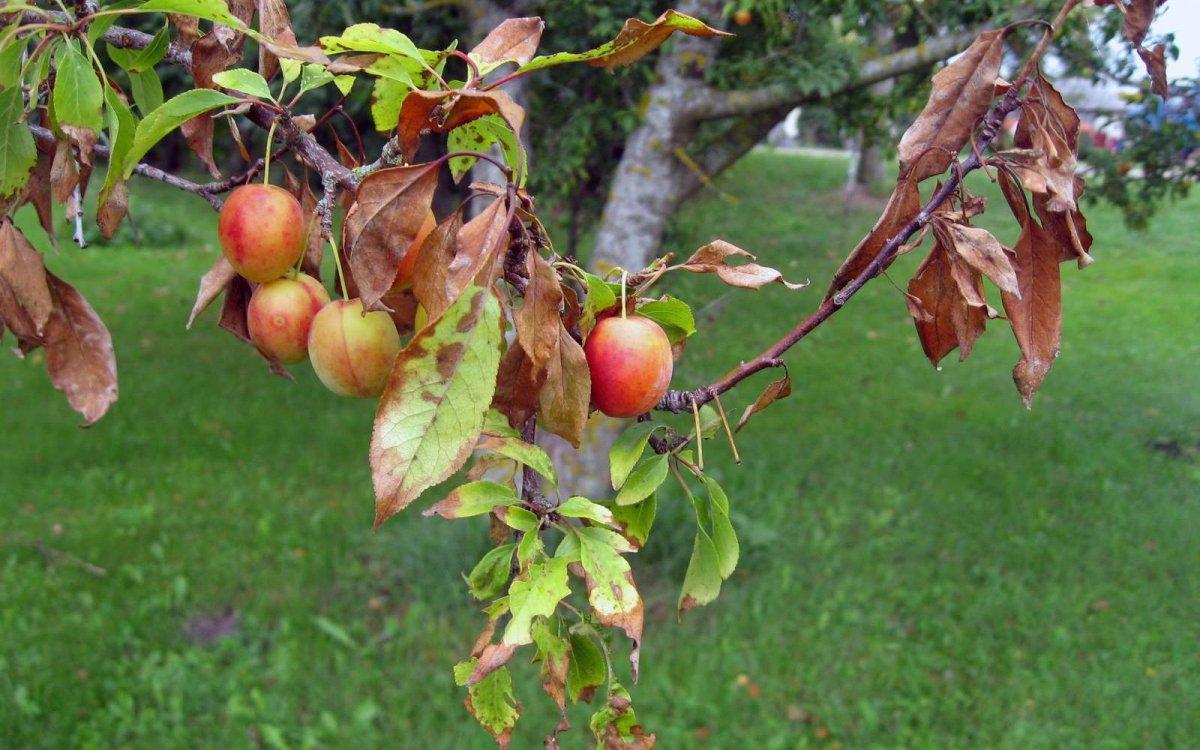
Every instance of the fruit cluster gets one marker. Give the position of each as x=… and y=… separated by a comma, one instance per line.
x=262, y=231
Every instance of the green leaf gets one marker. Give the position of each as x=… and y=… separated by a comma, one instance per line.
x=702, y=582
x=121, y=128
x=536, y=592
x=724, y=538
x=78, y=95
x=433, y=406
x=480, y=135
x=142, y=60
x=314, y=76
x=609, y=580
x=568, y=548
x=170, y=115
x=147, y=90
x=386, y=99
x=644, y=480
x=581, y=507
x=587, y=670
x=245, y=81
x=523, y=453
x=290, y=69
x=530, y=549
x=344, y=84
x=673, y=314
x=519, y=518
x=473, y=499
x=10, y=62
x=635, y=520
x=18, y=152
x=335, y=631
x=490, y=574
x=627, y=450
x=636, y=39
x=492, y=703
x=601, y=295
x=370, y=37
x=209, y=10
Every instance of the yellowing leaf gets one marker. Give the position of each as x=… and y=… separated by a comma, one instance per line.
x=536, y=592
x=433, y=406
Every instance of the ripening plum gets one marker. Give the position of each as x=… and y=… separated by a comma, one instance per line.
x=281, y=313
x=743, y=17
x=352, y=353
x=262, y=231
x=631, y=363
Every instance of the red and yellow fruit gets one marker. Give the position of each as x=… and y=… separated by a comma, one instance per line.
x=351, y=353
x=281, y=313
x=631, y=363
x=743, y=17
x=262, y=231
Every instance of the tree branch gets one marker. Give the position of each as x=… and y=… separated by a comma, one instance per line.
x=680, y=401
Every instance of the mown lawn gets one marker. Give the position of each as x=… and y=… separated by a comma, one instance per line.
x=925, y=564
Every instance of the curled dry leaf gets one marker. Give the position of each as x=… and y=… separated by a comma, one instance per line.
x=781, y=388
x=1139, y=14
x=274, y=23
x=1049, y=128
x=944, y=317
x=714, y=258
x=22, y=269
x=114, y=205
x=79, y=353
x=1036, y=313
x=1155, y=61
x=519, y=386
x=537, y=319
x=902, y=207
x=566, y=395
x=960, y=97
x=314, y=250
x=515, y=40
x=980, y=250
x=380, y=227
x=442, y=111
x=37, y=191
x=212, y=284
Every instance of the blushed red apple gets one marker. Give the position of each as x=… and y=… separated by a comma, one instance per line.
x=281, y=313
x=631, y=364
x=262, y=231
x=351, y=353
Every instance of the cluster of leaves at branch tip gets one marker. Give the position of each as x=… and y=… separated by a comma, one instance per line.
x=495, y=319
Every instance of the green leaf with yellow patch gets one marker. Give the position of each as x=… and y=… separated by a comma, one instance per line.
x=473, y=499
x=637, y=38
x=489, y=576
x=433, y=406
x=534, y=593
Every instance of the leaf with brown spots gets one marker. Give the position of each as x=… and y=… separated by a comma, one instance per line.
x=22, y=269
x=515, y=40
x=442, y=111
x=1035, y=315
x=433, y=406
x=609, y=579
x=567, y=393
x=714, y=258
x=945, y=319
x=79, y=353
x=902, y=207
x=383, y=222
x=960, y=97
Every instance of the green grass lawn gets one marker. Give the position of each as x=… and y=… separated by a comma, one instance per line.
x=925, y=563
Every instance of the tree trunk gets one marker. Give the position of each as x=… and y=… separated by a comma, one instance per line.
x=650, y=178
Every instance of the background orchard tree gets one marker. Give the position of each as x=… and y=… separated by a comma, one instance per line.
x=472, y=331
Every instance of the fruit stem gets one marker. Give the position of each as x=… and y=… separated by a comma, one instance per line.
x=267, y=157
x=337, y=261
x=623, y=276
x=699, y=437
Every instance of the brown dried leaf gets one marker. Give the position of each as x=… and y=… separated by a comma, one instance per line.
x=114, y=204
x=432, y=281
x=14, y=316
x=902, y=207
x=638, y=38
x=212, y=284
x=518, y=386
x=442, y=111
x=515, y=40
x=1139, y=14
x=211, y=54
x=1049, y=127
x=79, y=353
x=274, y=22
x=1035, y=315
x=714, y=258
x=960, y=97
x=380, y=227
x=492, y=657
x=980, y=250
x=567, y=393
x=538, y=318
x=1155, y=61
x=944, y=318
x=781, y=388
x=233, y=309
x=37, y=191
x=22, y=269
x=64, y=174
x=1069, y=228
x=315, y=247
